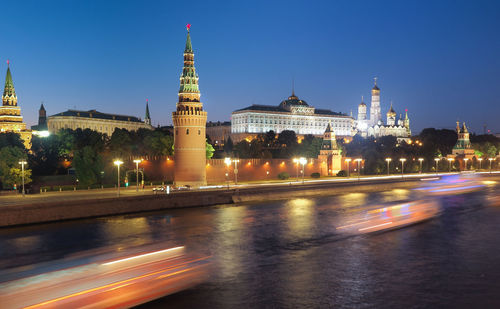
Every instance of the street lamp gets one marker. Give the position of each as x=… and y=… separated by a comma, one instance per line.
x=23, y=162
x=303, y=161
x=348, y=166
x=403, y=160
x=297, y=161
x=388, y=160
x=449, y=166
x=420, y=160
x=491, y=159
x=359, y=162
x=118, y=163
x=137, y=161
x=480, y=160
x=437, y=161
x=465, y=160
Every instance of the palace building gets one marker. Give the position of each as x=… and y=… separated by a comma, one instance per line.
x=10, y=113
x=374, y=126
x=94, y=120
x=292, y=114
x=189, y=126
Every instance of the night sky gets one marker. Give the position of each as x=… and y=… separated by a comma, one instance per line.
x=438, y=59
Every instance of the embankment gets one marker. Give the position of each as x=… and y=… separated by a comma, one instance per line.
x=79, y=209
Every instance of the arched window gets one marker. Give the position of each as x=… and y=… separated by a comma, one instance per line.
x=199, y=132
x=187, y=131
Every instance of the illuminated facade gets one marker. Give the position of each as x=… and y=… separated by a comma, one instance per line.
x=292, y=114
x=10, y=113
x=330, y=156
x=94, y=120
x=463, y=147
x=189, y=127
x=374, y=125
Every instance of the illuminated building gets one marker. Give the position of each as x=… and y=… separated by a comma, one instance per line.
x=463, y=146
x=330, y=157
x=374, y=125
x=95, y=120
x=219, y=132
x=10, y=113
x=292, y=114
x=189, y=127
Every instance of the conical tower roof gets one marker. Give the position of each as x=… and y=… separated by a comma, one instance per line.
x=9, y=84
x=189, y=47
x=148, y=117
x=328, y=128
x=42, y=108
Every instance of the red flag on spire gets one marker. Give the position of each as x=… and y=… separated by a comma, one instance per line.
x=188, y=26
x=8, y=62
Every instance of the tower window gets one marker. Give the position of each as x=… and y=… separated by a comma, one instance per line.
x=187, y=131
x=176, y=132
x=199, y=132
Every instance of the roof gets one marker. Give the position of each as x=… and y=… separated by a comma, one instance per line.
x=189, y=47
x=270, y=108
x=294, y=100
x=97, y=115
x=9, y=85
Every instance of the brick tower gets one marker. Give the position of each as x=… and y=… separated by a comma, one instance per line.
x=189, y=127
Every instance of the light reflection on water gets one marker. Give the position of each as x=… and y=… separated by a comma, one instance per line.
x=288, y=254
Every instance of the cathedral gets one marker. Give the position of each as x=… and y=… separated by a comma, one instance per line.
x=10, y=113
x=372, y=124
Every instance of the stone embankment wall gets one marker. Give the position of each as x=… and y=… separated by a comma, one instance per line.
x=79, y=209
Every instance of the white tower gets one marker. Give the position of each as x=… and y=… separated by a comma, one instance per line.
x=375, y=113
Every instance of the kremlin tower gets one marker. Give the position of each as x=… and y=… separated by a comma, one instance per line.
x=10, y=114
x=375, y=114
x=189, y=127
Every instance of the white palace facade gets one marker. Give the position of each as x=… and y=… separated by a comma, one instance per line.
x=292, y=114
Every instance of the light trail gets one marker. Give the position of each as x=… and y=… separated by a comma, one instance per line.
x=142, y=255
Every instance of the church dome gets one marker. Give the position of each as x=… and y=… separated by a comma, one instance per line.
x=293, y=100
x=391, y=112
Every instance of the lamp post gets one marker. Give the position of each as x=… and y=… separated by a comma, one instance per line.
x=303, y=161
x=359, y=162
x=465, y=161
x=23, y=162
x=388, y=160
x=227, y=161
x=403, y=160
x=137, y=161
x=236, y=170
x=420, y=160
x=437, y=161
x=348, y=166
x=480, y=160
x=490, y=159
x=296, y=161
x=449, y=166
x=118, y=163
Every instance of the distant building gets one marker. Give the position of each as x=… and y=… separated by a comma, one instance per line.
x=219, y=132
x=292, y=114
x=10, y=113
x=97, y=121
x=41, y=128
x=463, y=147
x=330, y=157
x=374, y=126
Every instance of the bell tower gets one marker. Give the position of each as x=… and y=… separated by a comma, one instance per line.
x=189, y=127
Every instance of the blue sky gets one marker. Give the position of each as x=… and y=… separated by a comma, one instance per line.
x=439, y=59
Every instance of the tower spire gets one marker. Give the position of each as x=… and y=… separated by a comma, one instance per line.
x=293, y=87
x=9, y=93
x=189, y=48
x=147, y=119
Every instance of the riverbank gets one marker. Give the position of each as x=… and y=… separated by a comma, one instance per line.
x=70, y=209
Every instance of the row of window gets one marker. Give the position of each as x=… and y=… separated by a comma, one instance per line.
x=187, y=132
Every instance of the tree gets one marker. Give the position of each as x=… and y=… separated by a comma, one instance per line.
x=11, y=139
x=120, y=143
x=209, y=150
x=228, y=146
x=88, y=165
x=158, y=143
x=10, y=169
